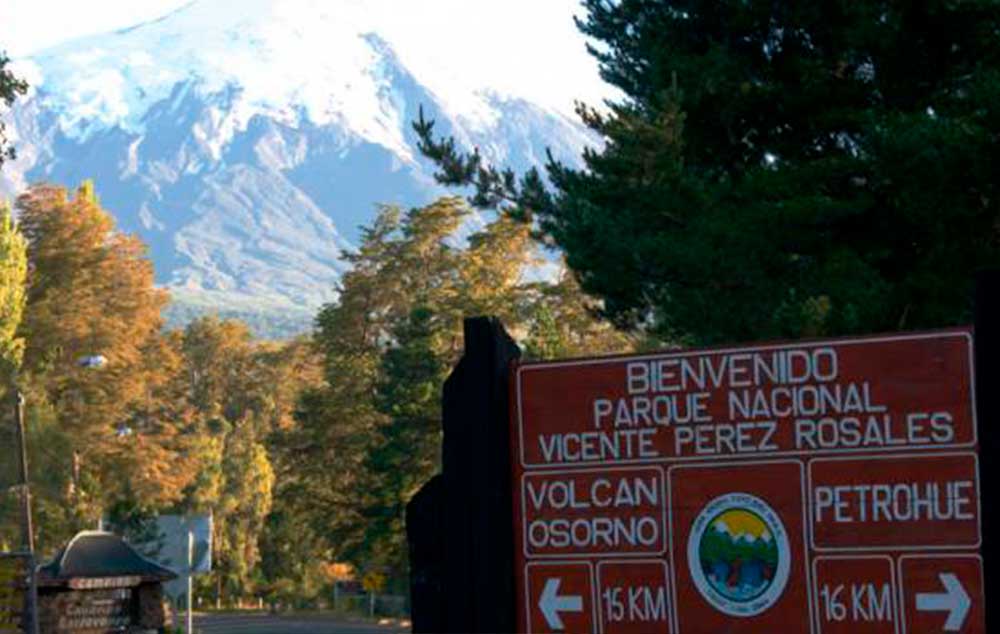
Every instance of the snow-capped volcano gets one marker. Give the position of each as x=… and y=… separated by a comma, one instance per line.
x=290, y=61
x=246, y=142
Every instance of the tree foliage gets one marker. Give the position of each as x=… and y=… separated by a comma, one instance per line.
x=90, y=292
x=405, y=451
x=174, y=422
x=370, y=436
x=244, y=504
x=306, y=451
x=13, y=271
x=10, y=88
x=774, y=169
x=242, y=391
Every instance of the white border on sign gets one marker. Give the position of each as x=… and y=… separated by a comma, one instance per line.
x=805, y=529
x=895, y=607
x=666, y=580
x=902, y=579
x=777, y=454
x=556, y=564
x=869, y=549
x=646, y=553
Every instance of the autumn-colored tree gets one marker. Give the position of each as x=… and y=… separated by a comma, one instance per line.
x=561, y=321
x=248, y=480
x=403, y=259
x=286, y=369
x=90, y=292
x=495, y=269
x=13, y=267
x=218, y=360
x=294, y=559
x=292, y=552
x=153, y=447
x=338, y=419
x=13, y=270
x=369, y=438
x=175, y=422
x=241, y=391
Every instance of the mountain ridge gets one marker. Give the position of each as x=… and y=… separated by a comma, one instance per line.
x=249, y=173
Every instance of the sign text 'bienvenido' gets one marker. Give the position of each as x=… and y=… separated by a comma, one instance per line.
x=824, y=488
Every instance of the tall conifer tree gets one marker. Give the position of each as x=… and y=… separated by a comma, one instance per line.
x=775, y=169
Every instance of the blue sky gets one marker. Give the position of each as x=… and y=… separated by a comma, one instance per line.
x=531, y=43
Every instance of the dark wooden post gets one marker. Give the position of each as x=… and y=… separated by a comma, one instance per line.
x=425, y=532
x=987, y=359
x=476, y=534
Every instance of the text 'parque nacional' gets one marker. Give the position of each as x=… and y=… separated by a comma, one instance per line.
x=808, y=488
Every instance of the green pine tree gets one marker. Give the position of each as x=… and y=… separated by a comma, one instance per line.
x=406, y=452
x=10, y=88
x=775, y=169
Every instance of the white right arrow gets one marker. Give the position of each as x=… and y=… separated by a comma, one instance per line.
x=551, y=604
x=955, y=600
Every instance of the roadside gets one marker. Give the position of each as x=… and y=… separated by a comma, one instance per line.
x=314, y=622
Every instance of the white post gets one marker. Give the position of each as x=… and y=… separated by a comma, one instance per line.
x=371, y=604
x=190, y=588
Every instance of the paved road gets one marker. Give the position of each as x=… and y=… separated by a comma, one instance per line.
x=254, y=623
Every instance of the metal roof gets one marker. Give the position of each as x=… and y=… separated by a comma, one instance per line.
x=100, y=554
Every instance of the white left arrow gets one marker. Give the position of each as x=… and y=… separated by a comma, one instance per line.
x=954, y=600
x=551, y=603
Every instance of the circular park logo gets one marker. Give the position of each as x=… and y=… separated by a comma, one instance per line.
x=738, y=554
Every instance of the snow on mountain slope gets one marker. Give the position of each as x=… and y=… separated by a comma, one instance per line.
x=247, y=142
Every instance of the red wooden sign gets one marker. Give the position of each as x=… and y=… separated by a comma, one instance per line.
x=823, y=487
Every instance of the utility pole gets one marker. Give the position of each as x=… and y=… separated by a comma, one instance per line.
x=27, y=529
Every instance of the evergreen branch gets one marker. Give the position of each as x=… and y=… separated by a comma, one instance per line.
x=492, y=188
